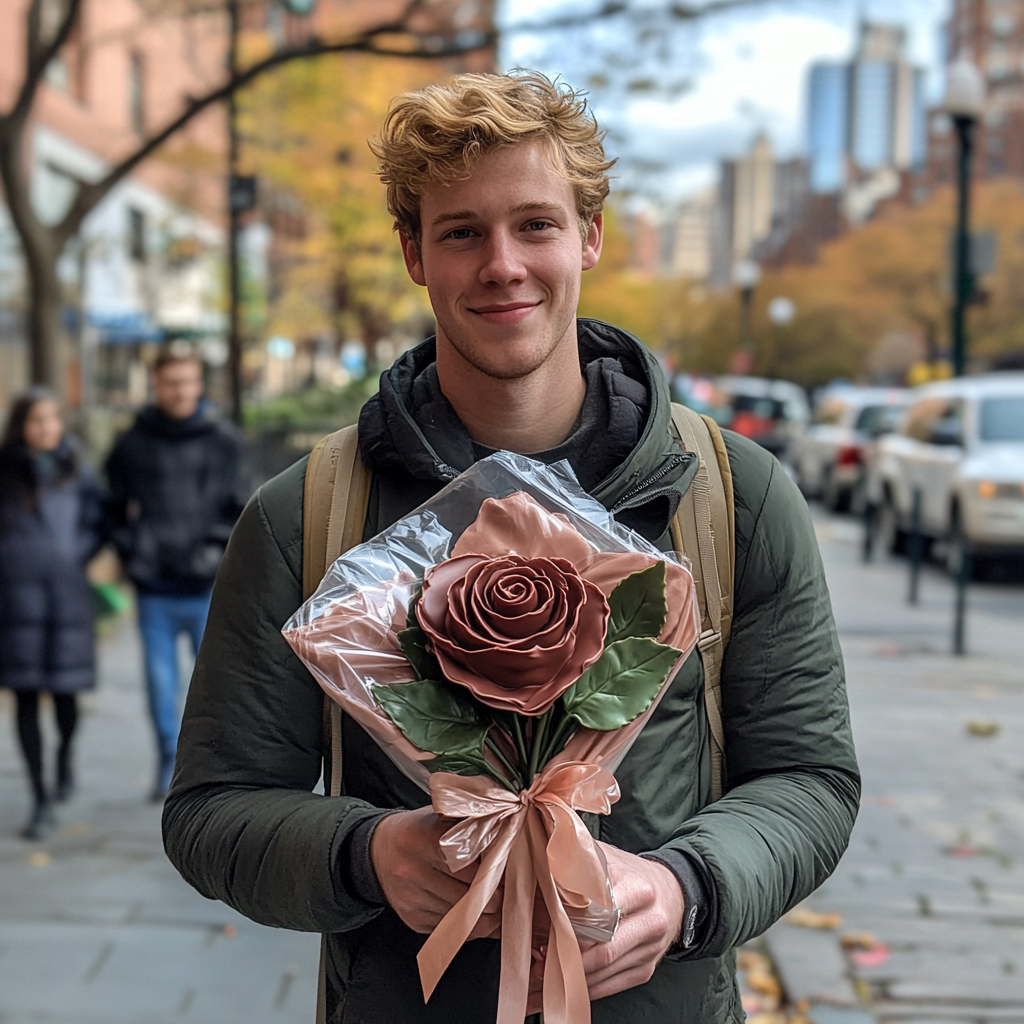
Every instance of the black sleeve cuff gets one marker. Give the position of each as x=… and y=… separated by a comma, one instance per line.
x=355, y=863
x=700, y=896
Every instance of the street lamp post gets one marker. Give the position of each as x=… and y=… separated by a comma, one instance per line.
x=965, y=97
x=781, y=311
x=746, y=275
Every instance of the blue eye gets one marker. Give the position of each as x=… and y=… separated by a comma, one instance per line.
x=460, y=234
x=537, y=225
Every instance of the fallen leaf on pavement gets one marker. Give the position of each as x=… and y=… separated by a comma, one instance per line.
x=875, y=956
x=977, y=727
x=764, y=984
x=858, y=940
x=804, y=917
x=963, y=852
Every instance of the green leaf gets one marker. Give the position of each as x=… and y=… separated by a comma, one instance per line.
x=458, y=764
x=621, y=684
x=414, y=647
x=433, y=716
x=638, y=606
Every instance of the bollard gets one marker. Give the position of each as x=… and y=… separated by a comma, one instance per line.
x=870, y=514
x=963, y=574
x=915, y=545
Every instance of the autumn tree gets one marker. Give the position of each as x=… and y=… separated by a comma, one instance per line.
x=888, y=278
x=306, y=129
x=408, y=30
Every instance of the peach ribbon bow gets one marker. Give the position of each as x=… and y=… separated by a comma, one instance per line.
x=533, y=838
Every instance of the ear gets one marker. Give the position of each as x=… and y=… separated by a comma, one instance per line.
x=413, y=260
x=593, y=242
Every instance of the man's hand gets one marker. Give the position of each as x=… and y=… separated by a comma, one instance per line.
x=651, y=901
x=415, y=879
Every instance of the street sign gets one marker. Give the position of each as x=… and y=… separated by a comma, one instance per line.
x=243, y=193
x=981, y=255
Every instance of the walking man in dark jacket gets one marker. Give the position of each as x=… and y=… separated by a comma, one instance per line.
x=497, y=184
x=176, y=489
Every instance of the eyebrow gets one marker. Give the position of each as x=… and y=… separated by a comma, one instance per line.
x=527, y=207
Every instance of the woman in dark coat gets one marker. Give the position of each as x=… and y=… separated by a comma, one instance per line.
x=50, y=526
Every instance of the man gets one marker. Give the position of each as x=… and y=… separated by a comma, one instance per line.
x=176, y=489
x=496, y=184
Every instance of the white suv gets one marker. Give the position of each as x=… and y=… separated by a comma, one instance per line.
x=961, y=444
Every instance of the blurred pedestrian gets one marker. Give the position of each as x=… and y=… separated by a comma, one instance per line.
x=50, y=526
x=176, y=488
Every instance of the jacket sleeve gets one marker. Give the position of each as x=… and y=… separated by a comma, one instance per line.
x=236, y=486
x=240, y=822
x=91, y=525
x=115, y=501
x=793, y=784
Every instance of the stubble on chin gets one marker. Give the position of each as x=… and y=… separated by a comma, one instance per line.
x=486, y=357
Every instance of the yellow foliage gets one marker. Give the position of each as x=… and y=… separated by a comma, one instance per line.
x=889, y=278
x=306, y=127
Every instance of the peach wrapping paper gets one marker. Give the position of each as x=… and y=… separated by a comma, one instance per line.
x=346, y=635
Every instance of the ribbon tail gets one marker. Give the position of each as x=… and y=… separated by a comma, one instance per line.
x=516, y=933
x=453, y=930
x=566, y=999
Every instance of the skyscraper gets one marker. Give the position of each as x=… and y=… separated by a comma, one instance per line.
x=827, y=126
x=866, y=115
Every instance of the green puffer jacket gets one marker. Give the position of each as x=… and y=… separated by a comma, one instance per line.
x=242, y=825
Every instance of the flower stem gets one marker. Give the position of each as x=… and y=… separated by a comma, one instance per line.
x=496, y=751
x=538, y=742
x=500, y=779
x=562, y=734
x=520, y=742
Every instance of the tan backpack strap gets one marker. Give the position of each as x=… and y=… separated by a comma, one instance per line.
x=703, y=528
x=335, y=497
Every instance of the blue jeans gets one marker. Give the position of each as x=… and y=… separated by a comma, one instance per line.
x=161, y=618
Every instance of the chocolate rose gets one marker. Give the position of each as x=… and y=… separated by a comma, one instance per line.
x=515, y=631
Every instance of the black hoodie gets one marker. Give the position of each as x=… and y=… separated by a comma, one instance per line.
x=176, y=489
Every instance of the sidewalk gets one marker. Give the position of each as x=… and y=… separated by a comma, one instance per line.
x=96, y=927
x=931, y=891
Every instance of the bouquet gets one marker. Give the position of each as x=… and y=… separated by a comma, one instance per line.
x=505, y=644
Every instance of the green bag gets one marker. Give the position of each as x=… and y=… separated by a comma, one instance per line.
x=108, y=600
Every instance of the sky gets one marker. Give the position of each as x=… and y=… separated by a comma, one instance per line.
x=748, y=71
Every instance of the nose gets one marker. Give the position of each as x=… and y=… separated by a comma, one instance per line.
x=502, y=264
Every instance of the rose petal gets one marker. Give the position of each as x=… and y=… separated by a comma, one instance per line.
x=519, y=525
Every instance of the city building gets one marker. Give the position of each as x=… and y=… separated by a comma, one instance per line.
x=691, y=238
x=866, y=119
x=759, y=204
x=991, y=34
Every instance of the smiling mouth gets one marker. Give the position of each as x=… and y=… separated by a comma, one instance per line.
x=503, y=307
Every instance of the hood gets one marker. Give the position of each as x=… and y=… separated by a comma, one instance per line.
x=1002, y=462
x=410, y=428
x=152, y=421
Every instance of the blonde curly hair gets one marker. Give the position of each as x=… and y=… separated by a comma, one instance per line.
x=436, y=135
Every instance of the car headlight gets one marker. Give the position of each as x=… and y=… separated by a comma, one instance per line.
x=991, y=489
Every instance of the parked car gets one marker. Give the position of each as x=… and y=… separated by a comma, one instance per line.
x=961, y=446
x=771, y=412
x=828, y=458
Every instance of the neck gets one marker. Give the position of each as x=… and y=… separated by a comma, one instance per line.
x=525, y=415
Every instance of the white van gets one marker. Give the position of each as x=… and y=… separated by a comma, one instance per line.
x=961, y=444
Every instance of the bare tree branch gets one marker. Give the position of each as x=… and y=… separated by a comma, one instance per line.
x=620, y=8
x=39, y=53
x=376, y=42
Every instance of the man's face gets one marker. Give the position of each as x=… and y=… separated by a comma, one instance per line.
x=501, y=257
x=178, y=387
